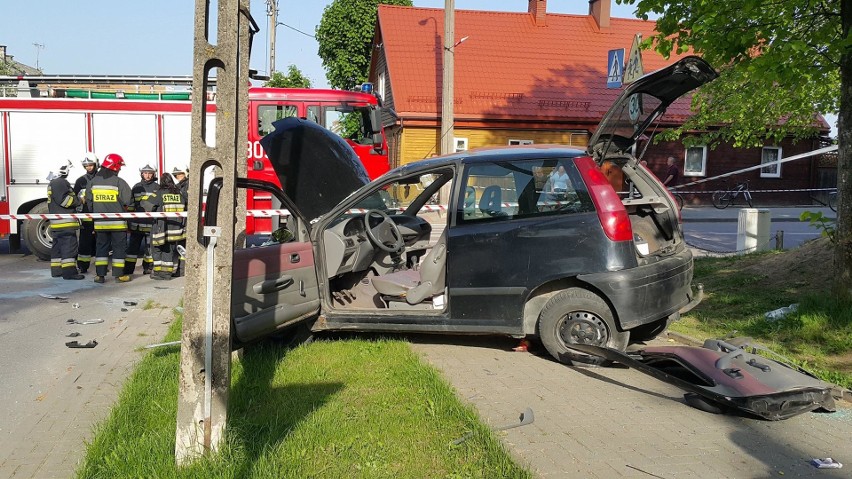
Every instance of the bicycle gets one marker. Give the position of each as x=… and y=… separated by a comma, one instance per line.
x=725, y=198
x=832, y=201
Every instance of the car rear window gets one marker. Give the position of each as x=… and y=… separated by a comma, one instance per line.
x=521, y=189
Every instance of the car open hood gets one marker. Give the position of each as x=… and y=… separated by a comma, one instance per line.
x=645, y=100
x=316, y=168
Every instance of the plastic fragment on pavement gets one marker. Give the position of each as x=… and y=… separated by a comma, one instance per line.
x=52, y=296
x=826, y=463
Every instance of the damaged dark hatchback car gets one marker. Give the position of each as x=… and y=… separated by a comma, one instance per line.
x=533, y=241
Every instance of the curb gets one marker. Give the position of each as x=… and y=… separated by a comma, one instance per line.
x=836, y=391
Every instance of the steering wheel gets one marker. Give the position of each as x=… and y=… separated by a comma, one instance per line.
x=385, y=235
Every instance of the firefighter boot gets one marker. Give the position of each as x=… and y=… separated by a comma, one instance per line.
x=123, y=279
x=99, y=279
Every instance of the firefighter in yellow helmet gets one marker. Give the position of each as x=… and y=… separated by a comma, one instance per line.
x=62, y=200
x=181, y=177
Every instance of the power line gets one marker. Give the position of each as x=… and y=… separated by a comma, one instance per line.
x=296, y=29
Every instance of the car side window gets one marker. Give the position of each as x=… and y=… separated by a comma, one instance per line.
x=521, y=189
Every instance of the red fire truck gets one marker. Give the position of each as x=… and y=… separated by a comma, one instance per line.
x=38, y=134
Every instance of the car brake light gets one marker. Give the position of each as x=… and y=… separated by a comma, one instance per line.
x=611, y=212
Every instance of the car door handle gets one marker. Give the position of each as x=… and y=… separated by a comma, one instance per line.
x=272, y=285
x=295, y=258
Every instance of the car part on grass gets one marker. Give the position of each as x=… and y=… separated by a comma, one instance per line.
x=722, y=377
x=527, y=417
x=161, y=345
x=88, y=321
x=76, y=344
x=72, y=335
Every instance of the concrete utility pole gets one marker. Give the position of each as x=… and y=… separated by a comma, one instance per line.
x=205, y=363
x=447, y=93
x=272, y=13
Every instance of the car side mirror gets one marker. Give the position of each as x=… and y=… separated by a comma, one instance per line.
x=376, y=128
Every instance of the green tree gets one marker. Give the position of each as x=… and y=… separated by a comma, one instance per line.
x=293, y=79
x=779, y=62
x=345, y=36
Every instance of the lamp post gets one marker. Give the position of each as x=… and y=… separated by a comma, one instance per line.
x=447, y=92
x=272, y=13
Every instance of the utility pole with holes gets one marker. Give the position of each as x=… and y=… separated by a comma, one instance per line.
x=205, y=361
x=447, y=91
x=272, y=13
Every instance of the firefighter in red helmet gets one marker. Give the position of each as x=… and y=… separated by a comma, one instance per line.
x=108, y=193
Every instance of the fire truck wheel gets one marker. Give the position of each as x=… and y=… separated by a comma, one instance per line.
x=37, y=236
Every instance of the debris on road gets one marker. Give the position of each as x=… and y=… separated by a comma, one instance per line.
x=729, y=375
x=130, y=303
x=88, y=321
x=526, y=417
x=52, y=296
x=827, y=463
x=76, y=344
x=73, y=335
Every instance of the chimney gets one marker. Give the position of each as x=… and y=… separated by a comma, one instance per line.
x=538, y=10
x=3, y=53
x=599, y=10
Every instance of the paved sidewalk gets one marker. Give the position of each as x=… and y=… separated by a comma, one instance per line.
x=78, y=387
x=710, y=214
x=614, y=422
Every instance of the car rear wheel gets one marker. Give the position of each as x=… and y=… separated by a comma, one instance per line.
x=578, y=316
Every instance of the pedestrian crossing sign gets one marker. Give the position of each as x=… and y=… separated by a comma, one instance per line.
x=614, y=68
x=634, y=69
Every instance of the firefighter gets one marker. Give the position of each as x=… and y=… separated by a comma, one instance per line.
x=62, y=200
x=167, y=233
x=107, y=193
x=181, y=176
x=87, y=231
x=140, y=228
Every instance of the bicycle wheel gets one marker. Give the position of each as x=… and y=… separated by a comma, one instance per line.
x=748, y=199
x=832, y=201
x=679, y=200
x=721, y=199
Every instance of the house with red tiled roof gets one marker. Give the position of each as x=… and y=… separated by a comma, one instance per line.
x=534, y=77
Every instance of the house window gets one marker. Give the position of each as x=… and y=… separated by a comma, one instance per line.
x=770, y=154
x=520, y=142
x=460, y=144
x=695, y=163
x=381, y=89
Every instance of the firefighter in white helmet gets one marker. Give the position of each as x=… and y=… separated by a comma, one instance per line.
x=181, y=176
x=140, y=228
x=87, y=230
x=62, y=200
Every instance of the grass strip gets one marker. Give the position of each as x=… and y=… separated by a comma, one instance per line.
x=817, y=336
x=353, y=408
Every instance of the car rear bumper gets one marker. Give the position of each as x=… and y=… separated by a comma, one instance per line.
x=647, y=293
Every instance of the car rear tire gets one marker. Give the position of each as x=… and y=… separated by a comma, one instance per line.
x=37, y=235
x=578, y=316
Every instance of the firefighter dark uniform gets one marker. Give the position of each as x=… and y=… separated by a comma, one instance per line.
x=140, y=228
x=107, y=193
x=167, y=233
x=62, y=200
x=183, y=186
x=87, y=229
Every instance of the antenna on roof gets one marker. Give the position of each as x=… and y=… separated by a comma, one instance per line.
x=39, y=48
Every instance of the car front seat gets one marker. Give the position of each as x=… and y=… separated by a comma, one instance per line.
x=415, y=286
x=491, y=201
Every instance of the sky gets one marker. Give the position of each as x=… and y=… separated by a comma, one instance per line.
x=100, y=37
x=105, y=37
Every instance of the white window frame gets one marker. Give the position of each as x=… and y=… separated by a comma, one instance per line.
x=520, y=142
x=459, y=141
x=382, y=85
x=703, y=171
x=769, y=174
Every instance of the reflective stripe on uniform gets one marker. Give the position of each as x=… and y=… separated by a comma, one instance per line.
x=99, y=261
x=110, y=225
